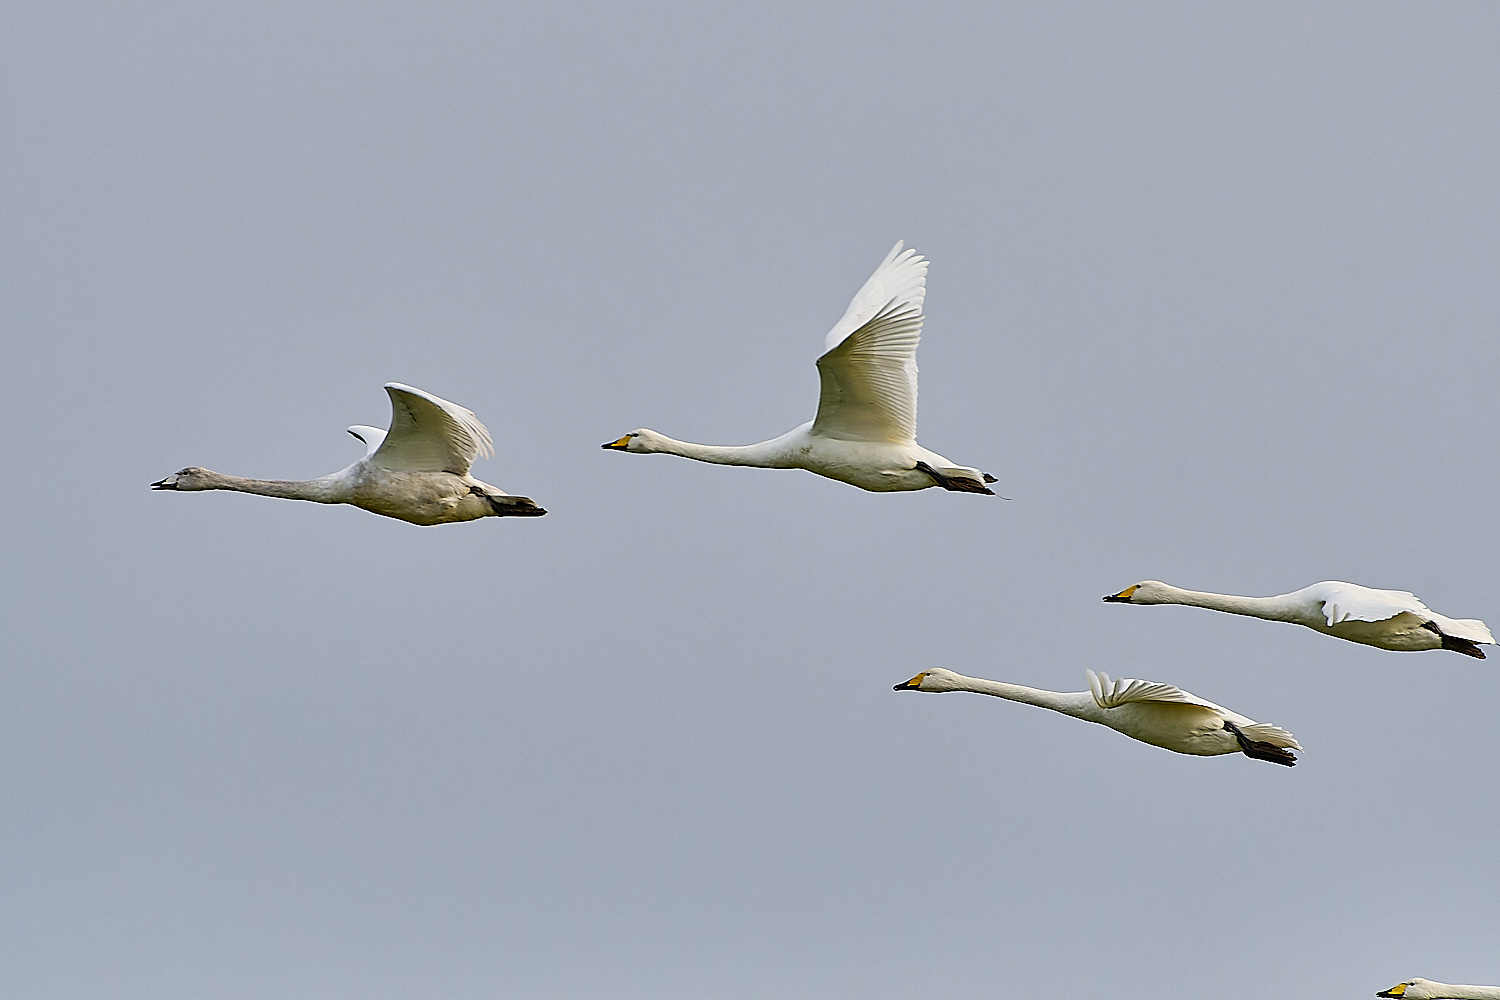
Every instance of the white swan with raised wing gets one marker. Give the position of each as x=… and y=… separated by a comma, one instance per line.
x=865, y=433
x=1159, y=714
x=418, y=471
x=1389, y=619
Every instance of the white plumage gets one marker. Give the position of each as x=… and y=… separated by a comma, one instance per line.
x=865, y=431
x=1389, y=619
x=1426, y=989
x=418, y=471
x=1150, y=711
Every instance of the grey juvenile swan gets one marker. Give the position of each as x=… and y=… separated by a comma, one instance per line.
x=418, y=471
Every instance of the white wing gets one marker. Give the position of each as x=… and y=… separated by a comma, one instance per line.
x=429, y=434
x=1344, y=602
x=901, y=276
x=1112, y=694
x=869, y=365
x=371, y=436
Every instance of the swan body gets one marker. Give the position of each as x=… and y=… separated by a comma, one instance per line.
x=865, y=433
x=1426, y=989
x=1159, y=714
x=1388, y=619
x=418, y=471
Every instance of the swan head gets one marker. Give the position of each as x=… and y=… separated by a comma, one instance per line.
x=1415, y=989
x=931, y=679
x=641, y=441
x=1145, y=592
x=191, y=478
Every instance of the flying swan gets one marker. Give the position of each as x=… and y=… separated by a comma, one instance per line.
x=1426, y=989
x=417, y=472
x=1159, y=714
x=1389, y=619
x=865, y=433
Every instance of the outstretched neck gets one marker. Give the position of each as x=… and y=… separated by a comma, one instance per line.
x=325, y=490
x=1471, y=992
x=1056, y=700
x=1274, y=608
x=765, y=455
x=1442, y=991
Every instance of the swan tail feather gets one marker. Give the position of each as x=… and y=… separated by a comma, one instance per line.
x=1458, y=643
x=1471, y=629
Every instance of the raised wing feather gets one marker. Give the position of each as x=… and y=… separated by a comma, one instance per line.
x=1114, y=693
x=429, y=434
x=371, y=436
x=901, y=277
x=869, y=390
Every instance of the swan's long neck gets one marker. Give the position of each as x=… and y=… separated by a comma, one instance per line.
x=765, y=455
x=326, y=490
x=1443, y=990
x=1272, y=608
x=1057, y=701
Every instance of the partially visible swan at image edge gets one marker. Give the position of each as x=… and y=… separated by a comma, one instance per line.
x=418, y=471
x=1159, y=714
x=1389, y=619
x=1426, y=989
x=865, y=433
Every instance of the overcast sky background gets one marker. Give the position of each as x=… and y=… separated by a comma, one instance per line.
x=1213, y=293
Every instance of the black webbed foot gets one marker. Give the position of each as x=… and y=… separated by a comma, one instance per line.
x=1260, y=750
x=1454, y=643
x=955, y=483
x=508, y=506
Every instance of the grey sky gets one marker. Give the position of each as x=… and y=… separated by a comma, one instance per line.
x=1212, y=292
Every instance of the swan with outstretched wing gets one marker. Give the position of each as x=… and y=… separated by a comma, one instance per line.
x=416, y=471
x=865, y=431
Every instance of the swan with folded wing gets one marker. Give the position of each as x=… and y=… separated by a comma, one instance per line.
x=1159, y=714
x=1388, y=619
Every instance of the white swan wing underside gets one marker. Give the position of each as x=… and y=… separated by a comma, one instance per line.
x=902, y=276
x=429, y=434
x=1124, y=690
x=869, y=366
